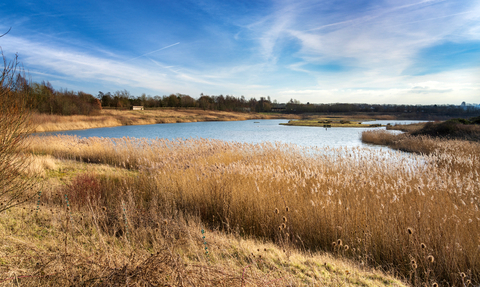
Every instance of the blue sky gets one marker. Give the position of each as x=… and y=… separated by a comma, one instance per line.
x=357, y=51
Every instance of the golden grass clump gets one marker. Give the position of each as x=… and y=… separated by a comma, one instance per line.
x=388, y=203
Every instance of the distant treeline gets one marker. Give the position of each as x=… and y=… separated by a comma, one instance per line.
x=404, y=111
x=45, y=99
x=123, y=99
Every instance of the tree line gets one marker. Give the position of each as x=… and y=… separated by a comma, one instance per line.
x=45, y=99
x=124, y=100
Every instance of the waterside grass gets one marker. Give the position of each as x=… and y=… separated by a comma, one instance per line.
x=383, y=205
x=341, y=121
x=95, y=239
x=112, y=118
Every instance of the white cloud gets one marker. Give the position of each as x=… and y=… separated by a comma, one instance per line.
x=375, y=45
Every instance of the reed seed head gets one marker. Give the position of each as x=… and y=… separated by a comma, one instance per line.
x=430, y=258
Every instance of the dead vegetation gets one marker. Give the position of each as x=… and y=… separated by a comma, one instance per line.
x=112, y=118
x=394, y=211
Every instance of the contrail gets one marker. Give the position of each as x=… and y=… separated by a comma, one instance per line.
x=154, y=51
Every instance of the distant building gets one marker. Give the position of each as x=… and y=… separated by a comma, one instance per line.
x=137, y=108
x=279, y=107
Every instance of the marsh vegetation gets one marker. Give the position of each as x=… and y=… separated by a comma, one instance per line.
x=413, y=216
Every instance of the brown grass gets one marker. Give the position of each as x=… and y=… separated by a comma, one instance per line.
x=406, y=128
x=368, y=199
x=117, y=240
x=112, y=118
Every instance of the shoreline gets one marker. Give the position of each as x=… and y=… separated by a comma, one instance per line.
x=115, y=118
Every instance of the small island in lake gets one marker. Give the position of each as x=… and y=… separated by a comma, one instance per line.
x=332, y=122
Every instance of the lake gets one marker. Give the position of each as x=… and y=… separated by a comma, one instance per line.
x=250, y=131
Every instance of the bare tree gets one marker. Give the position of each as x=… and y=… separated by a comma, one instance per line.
x=15, y=186
x=6, y=32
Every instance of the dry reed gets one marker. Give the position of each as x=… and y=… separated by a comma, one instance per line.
x=368, y=198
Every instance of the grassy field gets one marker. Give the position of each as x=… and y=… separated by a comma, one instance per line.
x=112, y=118
x=93, y=225
x=415, y=217
x=333, y=122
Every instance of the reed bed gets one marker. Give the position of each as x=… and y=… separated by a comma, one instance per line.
x=415, y=216
x=69, y=237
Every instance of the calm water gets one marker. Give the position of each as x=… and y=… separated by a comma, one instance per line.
x=251, y=131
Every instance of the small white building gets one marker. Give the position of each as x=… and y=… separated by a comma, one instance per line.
x=137, y=108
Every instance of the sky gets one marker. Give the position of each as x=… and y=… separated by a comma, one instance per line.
x=325, y=51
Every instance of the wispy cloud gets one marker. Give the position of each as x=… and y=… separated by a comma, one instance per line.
x=153, y=52
x=316, y=51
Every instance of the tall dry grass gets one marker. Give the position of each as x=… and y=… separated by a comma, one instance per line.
x=112, y=118
x=416, y=216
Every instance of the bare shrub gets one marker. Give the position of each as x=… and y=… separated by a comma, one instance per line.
x=15, y=188
x=83, y=190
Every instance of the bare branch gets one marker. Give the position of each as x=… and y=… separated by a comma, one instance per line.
x=6, y=32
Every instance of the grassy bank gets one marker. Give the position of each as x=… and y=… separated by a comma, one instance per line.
x=406, y=215
x=112, y=118
x=92, y=225
x=461, y=129
x=406, y=128
x=328, y=123
x=346, y=121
